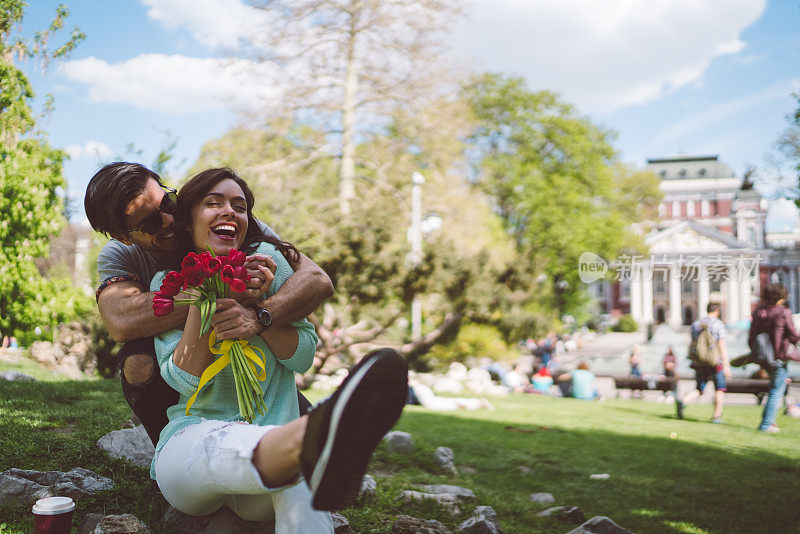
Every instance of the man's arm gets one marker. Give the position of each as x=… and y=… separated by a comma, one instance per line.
x=300, y=295
x=127, y=311
x=723, y=352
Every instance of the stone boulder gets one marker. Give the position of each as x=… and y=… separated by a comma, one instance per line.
x=571, y=514
x=445, y=459
x=447, y=501
x=483, y=521
x=21, y=485
x=130, y=444
x=340, y=524
x=16, y=376
x=399, y=442
x=405, y=524
x=599, y=525
x=542, y=498
x=223, y=521
x=368, y=490
x=121, y=524
x=463, y=494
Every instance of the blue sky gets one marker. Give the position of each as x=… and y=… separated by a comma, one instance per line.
x=694, y=76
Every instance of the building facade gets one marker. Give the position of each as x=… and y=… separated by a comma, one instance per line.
x=709, y=245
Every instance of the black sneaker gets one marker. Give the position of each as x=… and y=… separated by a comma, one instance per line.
x=344, y=429
x=679, y=408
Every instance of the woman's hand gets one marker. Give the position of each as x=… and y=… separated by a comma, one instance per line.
x=261, y=268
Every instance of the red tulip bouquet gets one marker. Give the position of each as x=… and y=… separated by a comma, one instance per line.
x=202, y=279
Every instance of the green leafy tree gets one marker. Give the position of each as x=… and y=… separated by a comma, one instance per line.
x=464, y=275
x=789, y=144
x=555, y=182
x=30, y=178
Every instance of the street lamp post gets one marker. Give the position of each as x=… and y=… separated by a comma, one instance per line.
x=416, y=248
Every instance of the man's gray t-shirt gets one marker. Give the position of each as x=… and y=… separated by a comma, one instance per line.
x=118, y=262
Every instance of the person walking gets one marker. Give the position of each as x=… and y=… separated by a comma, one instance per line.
x=708, y=338
x=774, y=318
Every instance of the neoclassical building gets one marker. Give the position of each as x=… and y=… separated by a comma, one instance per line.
x=709, y=245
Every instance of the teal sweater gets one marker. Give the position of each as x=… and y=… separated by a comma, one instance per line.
x=217, y=399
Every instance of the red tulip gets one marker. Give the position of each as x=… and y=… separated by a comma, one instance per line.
x=237, y=285
x=162, y=306
x=236, y=258
x=211, y=266
x=191, y=264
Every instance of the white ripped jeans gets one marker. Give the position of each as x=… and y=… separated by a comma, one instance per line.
x=209, y=465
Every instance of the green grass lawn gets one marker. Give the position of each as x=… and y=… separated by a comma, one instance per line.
x=665, y=475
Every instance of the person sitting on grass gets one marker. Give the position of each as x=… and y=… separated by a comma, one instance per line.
x=582, y=383
x=211, y=458
x=541, y=380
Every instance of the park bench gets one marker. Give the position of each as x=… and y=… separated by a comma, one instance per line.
x=756, y=386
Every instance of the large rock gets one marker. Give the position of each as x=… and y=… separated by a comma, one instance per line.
x=463, y=494
x=130, y=444
x=483, y=521
x=121, y=524
x=340, y=524
x=599, y=525
x=46, y=353
x=445, y=459
x=223, y=521
x=16, y=376
x=368, y=490
x=405, y=524
x=447, y=501
x=572, y=514
x=542, y=498
x=89, y=523
x=397, y=441
x=21, y=485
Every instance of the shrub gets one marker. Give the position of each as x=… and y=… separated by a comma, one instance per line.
x=625, y=324
x=473, y=341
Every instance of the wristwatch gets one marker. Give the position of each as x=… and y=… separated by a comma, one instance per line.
x=263, y=316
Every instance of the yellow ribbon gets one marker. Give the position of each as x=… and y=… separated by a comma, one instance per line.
x=224, y=359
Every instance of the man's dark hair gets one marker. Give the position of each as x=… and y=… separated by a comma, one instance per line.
x=773, y=293
x=712, y=307
x=110, y=190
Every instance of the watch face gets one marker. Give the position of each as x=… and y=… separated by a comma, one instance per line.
x=264, y=317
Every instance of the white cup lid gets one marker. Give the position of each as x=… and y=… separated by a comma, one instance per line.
x=53, y=506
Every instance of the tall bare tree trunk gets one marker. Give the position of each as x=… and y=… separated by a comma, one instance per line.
x=347, y=169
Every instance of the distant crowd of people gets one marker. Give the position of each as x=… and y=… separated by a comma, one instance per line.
x=10, y=342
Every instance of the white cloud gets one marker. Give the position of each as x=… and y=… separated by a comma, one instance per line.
x=605, y=55
x=782, y=216
x=90, y=149
x=173, y=83
x=215, y=23
x=724, y=111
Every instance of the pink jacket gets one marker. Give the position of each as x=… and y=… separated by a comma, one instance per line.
x=777, y=322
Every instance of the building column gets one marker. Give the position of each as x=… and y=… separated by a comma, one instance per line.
x=793, y=289
x=647, y=293
x=702, y=289
x=674, y=317
x=636, y=292
x=745, y=304
x=732, y=300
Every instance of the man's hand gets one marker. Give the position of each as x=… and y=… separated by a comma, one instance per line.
x=261, y=268
x=234, y=321
x=726, y=369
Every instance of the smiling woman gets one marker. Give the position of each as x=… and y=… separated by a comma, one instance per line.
x=215, y=208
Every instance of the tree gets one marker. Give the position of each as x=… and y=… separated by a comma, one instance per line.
x=30, y=179
x=789, y=143
x=464, y=276
x=350, y=63
x=555, y=181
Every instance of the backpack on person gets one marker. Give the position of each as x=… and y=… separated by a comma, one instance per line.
x=764, y=353
x=704, y=349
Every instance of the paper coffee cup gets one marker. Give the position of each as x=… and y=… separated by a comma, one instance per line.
x=53, y=515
